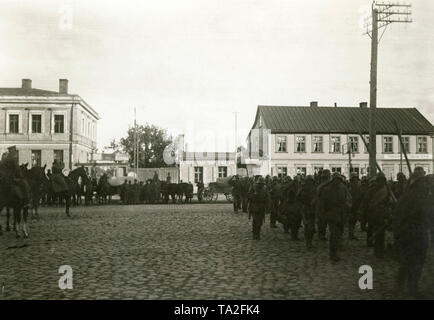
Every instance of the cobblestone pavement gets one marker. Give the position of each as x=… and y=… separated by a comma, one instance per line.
x=192, y=251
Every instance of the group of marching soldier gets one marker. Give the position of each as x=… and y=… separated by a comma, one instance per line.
x=329, y=201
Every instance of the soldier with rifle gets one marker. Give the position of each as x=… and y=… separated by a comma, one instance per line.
x=306, y=197
x=274, y=198
x=258, y=201
x=355, y=191
x=411, y=231
x=319, y=205
x=236, y=192
x=377, y=205
x=399, y=185
x=336, y=201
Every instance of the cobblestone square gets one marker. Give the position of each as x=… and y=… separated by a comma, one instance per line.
x=193, y=251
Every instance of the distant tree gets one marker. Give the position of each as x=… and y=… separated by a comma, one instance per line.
x=152, y=142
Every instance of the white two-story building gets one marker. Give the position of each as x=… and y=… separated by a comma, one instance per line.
x=291, y=140
x=47, y=125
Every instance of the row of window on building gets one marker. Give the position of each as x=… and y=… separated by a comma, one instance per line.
x=282, y=171
x=88, y=127
x=36, y=123
x=353, y=144
x=198, y=173
x=36, y=157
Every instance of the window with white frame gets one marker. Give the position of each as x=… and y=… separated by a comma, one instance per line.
x=422, y=145
x=317, y=143
x=198, y=174
x=354, y=143
x=59, y=123
x=58, y=155
x=36, y=158
x=335, y=144
x=406, y=144
x=337, y=169
x=367, y=144
x=14, y=123
x=282, y=171
x=387, y=144
x=300, y=144
x=36, y=123
x=281, y=144
x=223, y=171
x=301, y=170
x=317, y=169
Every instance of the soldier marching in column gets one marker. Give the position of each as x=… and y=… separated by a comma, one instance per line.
x=328, y=205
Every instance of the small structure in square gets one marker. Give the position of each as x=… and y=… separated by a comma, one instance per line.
x=114, y=164
x=291, y=140
x=47, y=125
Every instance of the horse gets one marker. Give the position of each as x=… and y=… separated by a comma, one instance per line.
x=37, y=181
x=12, y=196
x=104, y=190
x=169, y=189
x=71, y=183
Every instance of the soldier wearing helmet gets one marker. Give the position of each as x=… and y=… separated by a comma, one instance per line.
x=236, y=192
x=306, y=197
x=319, y=208
x=399, y=185
x=355, y=191
x=411, y=227
x=258, y=201
x=336, y=201
x=377, y=205
x=275, y=190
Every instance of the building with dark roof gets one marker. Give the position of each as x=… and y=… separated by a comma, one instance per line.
x=286, y=140
x=47, y=125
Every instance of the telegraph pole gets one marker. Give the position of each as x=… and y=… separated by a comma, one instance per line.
x=136, y=149
x=383, y=14
x=373, y=95
x=236, y=124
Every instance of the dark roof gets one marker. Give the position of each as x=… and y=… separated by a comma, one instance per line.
x=281, y=119
x=28, y=92
x=208, y=156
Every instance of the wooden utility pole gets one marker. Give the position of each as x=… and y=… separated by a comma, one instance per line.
x=383, y=14
x=136, y=149
x=373, y=96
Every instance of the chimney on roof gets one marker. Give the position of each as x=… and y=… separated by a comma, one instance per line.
x=26, y=84
x=314, y=104
x=63, y=86
x=363, y=104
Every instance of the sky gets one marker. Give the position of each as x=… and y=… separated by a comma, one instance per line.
x=188, y=66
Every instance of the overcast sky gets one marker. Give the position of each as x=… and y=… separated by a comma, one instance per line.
x=188, y=65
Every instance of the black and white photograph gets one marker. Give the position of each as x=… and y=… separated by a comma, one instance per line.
x=229, y=151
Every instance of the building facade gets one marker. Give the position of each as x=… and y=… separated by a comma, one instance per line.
x=47, y=125
x=304, y=140
x=206, y=167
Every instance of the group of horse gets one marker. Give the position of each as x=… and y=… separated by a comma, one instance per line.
x=152, y=191
x=79, y=185
x=40, y=190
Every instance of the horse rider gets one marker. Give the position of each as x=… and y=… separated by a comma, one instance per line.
x=10, y=169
